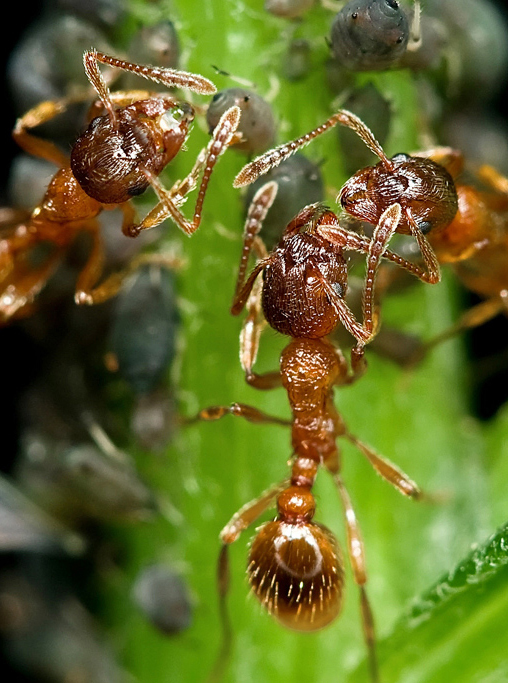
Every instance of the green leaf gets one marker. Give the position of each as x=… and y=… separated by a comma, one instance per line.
x=418, y=420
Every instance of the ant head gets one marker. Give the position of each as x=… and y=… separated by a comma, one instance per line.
x=424, y=189
x=295, y=566
x=110, y=159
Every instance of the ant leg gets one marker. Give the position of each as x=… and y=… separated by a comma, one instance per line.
x=261, y=203
x=493, y=178
x=433, y=273
x=274, y=157
x=346, y=239
x=45, y=111
x=240, y=521
x=170, y=200
x=22, y=284
x=356, y=554
x=89, y=294
x=171, y=78
x=474, y=317
x=390, y=472
x=376, y=248
x=249, y=413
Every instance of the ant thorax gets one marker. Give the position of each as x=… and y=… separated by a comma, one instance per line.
x=110, y=157
x=421, y=186
x=295, y=302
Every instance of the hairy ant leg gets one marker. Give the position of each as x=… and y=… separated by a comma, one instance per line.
x=169, y=200
x=387, y=470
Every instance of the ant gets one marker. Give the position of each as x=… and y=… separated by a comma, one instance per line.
x=295, y=567
x=423, y=188
x=475, y=243
x=130, y=139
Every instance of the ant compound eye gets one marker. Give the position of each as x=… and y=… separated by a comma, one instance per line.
x=425, y=226
x=296, y=572
x=401, y=157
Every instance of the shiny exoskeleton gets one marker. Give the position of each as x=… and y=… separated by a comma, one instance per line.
x=132, y=136
x=295, y=566
x=423, y=188
x=370, y=34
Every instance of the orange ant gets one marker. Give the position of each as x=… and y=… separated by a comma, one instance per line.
x=295, y=567
x=475, y=243
x=118, y=157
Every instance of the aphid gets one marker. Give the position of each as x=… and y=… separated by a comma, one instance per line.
x=154, y=44
x=295, y=567
x=372, y=34
x=423, y=188
x=145, y=322
x=77, y=483
x=296, y=61
x=300, y=182
x=118, y=157
x=163, y=597
x=257, y=127
x=26, y=527
x=289, y=9
x=46, y=65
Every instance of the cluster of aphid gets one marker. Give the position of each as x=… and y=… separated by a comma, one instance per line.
x=298, y=287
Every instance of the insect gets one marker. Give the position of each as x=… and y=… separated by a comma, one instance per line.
x=289, y=9
x=475, y=243
x=373, y=34
x=143, y=339
x=423, y=188
x=132, y=136
x=257, y=127
x=295, y=567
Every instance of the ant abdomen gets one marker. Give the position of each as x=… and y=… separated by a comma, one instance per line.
x=111, y=157
x=295, y=301
x=419, y=185
x=295, y=566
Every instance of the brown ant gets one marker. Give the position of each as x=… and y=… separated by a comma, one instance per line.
x=423, y=188
x=295, y=567
x=131, y=137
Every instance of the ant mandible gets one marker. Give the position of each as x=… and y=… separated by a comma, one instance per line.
x=295, y=567
x=423, y=188
x=118, y=157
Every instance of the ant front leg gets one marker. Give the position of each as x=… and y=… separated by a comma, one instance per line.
x=249, y=413
x=169, y=200
x=375, y=248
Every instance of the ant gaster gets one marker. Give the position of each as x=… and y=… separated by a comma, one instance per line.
x=423, y=188
x=121, y=153
x=295, y=566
